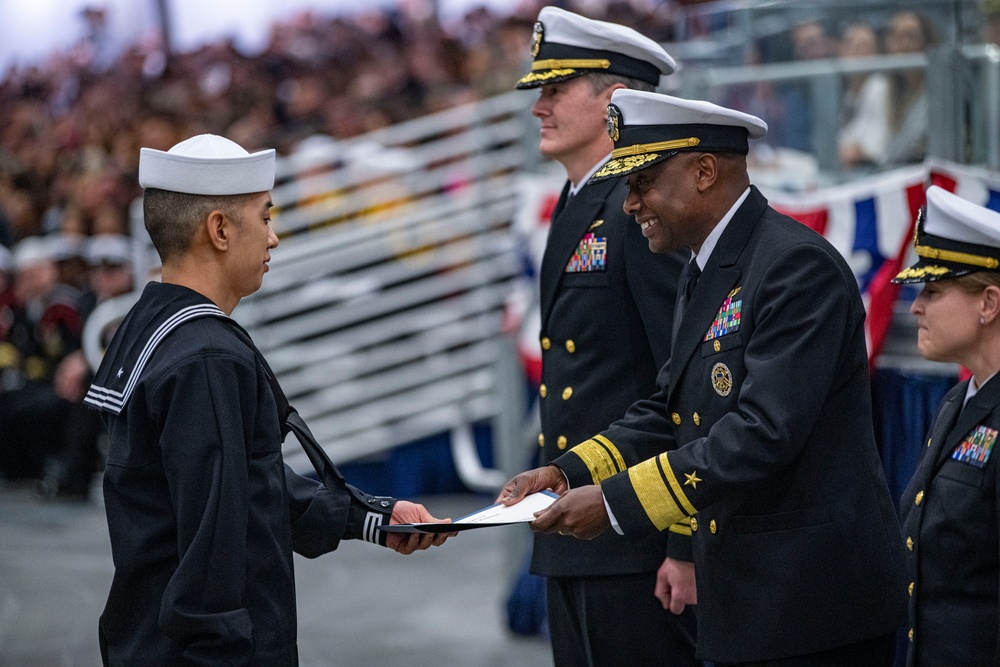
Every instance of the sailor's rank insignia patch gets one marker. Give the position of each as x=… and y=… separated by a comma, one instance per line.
x=977, y=447
x=727, y=320
x=722, y=379
x=589, y=254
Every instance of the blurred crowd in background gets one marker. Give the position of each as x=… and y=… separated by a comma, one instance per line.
x=73, y=126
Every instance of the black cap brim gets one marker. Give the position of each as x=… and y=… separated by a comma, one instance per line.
x=924, y=271
x=545, y=77
x=623, y=166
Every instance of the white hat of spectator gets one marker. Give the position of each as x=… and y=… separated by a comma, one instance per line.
x=207, y=164
x=32, y=251
x=374, y=159
x=647, y=128
x=113, y=249
x=6, y=259
x=953, y=238
x=566, y=45
x=66, y=246
x=316, y=150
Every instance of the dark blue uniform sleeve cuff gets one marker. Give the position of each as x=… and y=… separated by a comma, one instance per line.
x=576, y=471
x=366, y=514
x=629, y=512
x=680, y=547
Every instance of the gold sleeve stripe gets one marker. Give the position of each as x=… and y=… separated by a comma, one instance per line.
x=598, y=460
x=681, y=528
x=613, y=451
x=668, y=473
x=653, y=494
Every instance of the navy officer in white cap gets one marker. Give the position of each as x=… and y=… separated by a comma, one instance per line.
x=951, y=508
x=202, y=513
x=797, y=549
x=606, y=305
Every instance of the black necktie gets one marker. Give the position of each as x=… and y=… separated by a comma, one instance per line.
x=691, y=276
x=693, y=273
x=564, y=199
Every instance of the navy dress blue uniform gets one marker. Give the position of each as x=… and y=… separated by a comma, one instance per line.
x=606, y=313
x=951, y=516
x=951, y=508
x=606, y=305
x=796, y=545
x=203, y=514
x=797, y=549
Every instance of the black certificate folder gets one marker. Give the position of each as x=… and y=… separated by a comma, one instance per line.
x=494, y=515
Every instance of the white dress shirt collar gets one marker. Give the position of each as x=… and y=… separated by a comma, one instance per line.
x=575, y=187
x=973, y=389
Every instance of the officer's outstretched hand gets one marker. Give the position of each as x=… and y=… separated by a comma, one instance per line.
x=407, y=512
x=579, y=512
x=532, y=481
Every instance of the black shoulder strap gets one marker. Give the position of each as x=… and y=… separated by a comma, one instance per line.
x=374, y=511
x=290, y=420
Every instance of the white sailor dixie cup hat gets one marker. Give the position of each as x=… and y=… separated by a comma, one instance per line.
x=108, y=249
x=207, y=164
x=565, y=45
x=647, y=128
x=953, y=238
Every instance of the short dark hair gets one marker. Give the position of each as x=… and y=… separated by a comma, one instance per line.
x=172, y=217
x=601, y=81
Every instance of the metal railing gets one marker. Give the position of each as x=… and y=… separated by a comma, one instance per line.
x=963, y=85
x=382, y=313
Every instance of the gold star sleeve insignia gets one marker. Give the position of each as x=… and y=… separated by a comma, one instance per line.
x=692, y=479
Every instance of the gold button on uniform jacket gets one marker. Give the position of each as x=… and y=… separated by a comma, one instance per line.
x=950, y=516
x=607, y=304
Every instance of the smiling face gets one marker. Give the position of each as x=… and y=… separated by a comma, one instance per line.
x=948, y=321
x=574, y=119
x=251, y=243
x=665, y=201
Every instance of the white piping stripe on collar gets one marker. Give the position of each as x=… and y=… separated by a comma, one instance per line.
x=102, y=397
x=372, y=522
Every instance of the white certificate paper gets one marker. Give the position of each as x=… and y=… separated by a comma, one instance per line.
x=494, y=515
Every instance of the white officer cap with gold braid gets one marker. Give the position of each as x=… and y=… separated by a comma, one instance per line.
x=566, y=45
x=649, y=127
x=207, y=164
x=953, y=238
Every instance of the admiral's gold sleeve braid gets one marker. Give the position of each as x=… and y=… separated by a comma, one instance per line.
x=601, y=457
x=659, y=492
